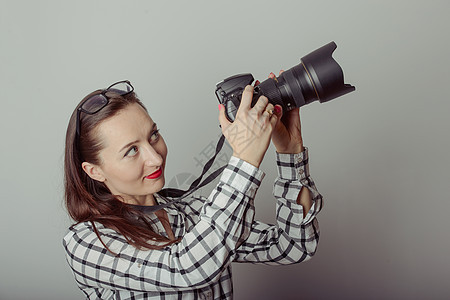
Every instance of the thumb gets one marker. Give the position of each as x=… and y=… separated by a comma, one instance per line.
x=224, y=123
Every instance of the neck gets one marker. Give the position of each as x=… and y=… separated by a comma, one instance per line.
x=147, y=200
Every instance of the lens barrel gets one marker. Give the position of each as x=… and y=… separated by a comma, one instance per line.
x=317, y=77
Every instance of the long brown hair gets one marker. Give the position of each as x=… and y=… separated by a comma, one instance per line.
x=88, y=200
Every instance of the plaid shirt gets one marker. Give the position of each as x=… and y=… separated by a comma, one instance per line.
x=214, y=231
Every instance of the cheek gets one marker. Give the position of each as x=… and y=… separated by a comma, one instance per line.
x=122, y=173
x=125, y=175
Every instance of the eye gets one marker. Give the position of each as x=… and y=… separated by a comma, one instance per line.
x=132, y=152
x=155, y=136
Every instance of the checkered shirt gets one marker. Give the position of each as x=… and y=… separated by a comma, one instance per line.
x=214, y=232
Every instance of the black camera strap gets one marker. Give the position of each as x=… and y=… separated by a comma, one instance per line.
x=198, y=183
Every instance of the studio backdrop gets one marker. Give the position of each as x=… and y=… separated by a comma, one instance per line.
x=378, y=155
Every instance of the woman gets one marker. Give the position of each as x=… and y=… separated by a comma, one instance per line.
x=129, y=242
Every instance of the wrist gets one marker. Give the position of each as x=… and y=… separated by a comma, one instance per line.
x=293, y=149
x=251, y=160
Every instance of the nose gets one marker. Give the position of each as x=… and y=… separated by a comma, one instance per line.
x=151, y=157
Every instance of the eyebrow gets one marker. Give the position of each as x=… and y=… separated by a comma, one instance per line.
x=134, y=142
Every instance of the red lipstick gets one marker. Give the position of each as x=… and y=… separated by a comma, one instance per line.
x=155, y=174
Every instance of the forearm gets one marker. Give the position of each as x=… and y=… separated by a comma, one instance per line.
x=294, y=182
x=224, y=209
x=295, y=236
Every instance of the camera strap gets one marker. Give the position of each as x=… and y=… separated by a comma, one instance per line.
x=198, y=183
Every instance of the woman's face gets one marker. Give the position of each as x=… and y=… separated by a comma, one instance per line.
x=133, y=157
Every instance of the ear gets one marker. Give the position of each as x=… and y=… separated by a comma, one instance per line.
x=93, y=171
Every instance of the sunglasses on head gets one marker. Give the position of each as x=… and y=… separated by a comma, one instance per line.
x=95, y=103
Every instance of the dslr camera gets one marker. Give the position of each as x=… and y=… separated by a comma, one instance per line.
x=317, y=77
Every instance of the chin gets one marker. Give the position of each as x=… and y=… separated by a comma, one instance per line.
x=158, y=185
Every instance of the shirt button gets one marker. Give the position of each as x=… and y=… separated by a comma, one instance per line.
x=301, y=172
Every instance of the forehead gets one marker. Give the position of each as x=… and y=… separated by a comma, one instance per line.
x=131, y=123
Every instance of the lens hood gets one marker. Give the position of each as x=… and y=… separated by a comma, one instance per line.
x=325, y=73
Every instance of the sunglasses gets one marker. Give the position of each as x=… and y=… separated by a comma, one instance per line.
x=96, y=103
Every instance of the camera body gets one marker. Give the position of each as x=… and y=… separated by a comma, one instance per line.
x=229, y=93
x=317, y=77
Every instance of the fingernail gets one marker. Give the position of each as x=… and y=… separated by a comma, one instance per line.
x=277, y=109
x=220, y=107
x=271, y=74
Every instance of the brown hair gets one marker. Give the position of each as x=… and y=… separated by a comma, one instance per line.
x=88, y=200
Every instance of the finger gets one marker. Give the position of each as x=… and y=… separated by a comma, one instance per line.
x=281, y=71
x=278, y=110
x=270, y=108
x=261, y=104
x=224, y=123
x=271, y=75
x=257, y=83
x=247, y=96
x=268, y=111
x=274, y=120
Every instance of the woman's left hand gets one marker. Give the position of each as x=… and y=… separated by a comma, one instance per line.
x=287, y=135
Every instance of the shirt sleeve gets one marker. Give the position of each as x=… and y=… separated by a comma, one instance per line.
x=294, y=238
x=194, y=262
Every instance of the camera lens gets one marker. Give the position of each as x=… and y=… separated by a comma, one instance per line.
x=317, y=77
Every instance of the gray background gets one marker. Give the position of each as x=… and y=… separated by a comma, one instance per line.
x=379, y=155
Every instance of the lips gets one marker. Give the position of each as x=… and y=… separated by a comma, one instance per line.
x=155, y=174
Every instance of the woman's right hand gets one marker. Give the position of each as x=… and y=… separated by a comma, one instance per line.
x=249, y=135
